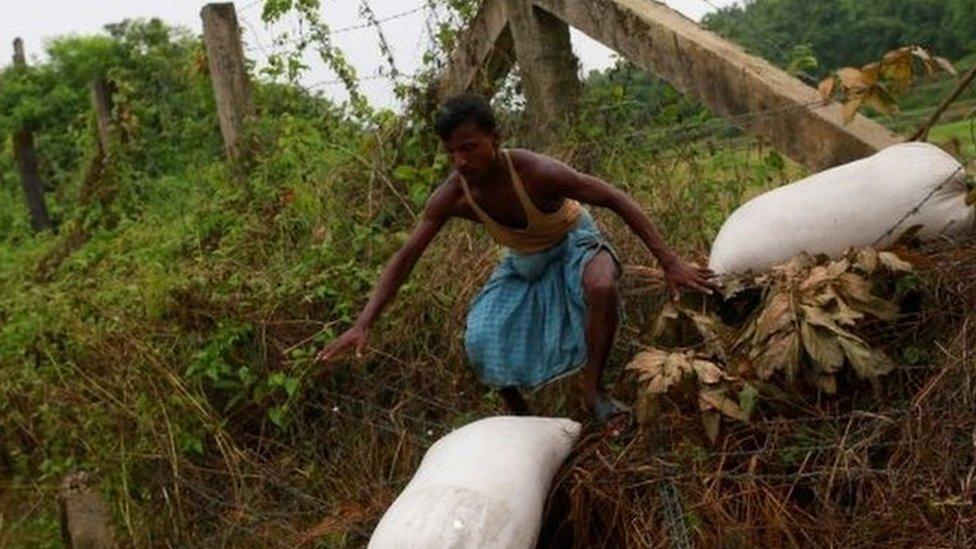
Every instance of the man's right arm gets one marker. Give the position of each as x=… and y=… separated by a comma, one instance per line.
x=439, y=209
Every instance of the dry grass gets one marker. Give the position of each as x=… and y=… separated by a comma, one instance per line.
x=889, y=468
x=864, y=468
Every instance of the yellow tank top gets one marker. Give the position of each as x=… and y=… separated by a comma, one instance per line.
x=543, y=230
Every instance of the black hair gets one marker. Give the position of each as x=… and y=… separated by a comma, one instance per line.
x=464, y=108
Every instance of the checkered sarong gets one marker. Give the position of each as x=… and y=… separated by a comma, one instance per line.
x=527, y=325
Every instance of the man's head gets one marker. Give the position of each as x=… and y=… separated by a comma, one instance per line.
x=467, y=127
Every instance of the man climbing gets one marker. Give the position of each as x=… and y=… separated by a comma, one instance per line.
x=550, y=307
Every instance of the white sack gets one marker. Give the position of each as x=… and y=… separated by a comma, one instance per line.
x=849, y=205
x=482, y=486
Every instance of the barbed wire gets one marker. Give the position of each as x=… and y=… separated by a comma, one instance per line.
x=374, y=76
x=257, y=39
x=250, y=5
x=359, y=26
x=915, y=209
x=382, y=20
x=696, y=129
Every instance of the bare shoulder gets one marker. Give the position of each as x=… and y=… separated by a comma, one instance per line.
x=447, y=200
x=540, y=167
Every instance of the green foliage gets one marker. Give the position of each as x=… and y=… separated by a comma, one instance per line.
x=625, y=96
x=847, y=32
x=802, y=60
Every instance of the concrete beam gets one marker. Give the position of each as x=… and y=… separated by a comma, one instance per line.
x=726, y=79
x=484, y=54
x=547, y=66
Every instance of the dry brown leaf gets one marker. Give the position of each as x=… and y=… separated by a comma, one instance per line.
x=826, y=87
x=708, y=328
x=708, y=372
x=715, y=398
x=776, y=315
x=849, y=109
x=853, y=79
x=660, y=369
x=665, y=320
x=895, y=264
x=832, y=303
x=836, y=268
x=857, y=292
x=920, y=52
x=871, y=72
x=792, y=268
x=818, y=275
x=844, y=314
x=854, y=288
x=897, y=55
x=649, y=362
x=945, y=65
x=867, y=362
x=711, y=421
x=897, y=69
x=780, y=353
x=879, y=308
x=822, y=347
x=818, y=317
x=746, y=336
x=866, y=259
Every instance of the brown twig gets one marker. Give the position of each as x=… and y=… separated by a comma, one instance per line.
x=922, y=133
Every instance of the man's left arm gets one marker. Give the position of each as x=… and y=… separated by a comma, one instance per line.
x=594, y=191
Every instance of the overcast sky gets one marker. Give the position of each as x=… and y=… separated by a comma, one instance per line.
x=39, y=20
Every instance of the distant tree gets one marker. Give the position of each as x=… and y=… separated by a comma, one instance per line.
x=847, y=32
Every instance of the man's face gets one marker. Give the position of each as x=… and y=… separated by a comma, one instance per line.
x=472, y=150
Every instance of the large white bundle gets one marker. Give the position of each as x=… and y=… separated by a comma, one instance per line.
x=481, y=486
x=853, y=204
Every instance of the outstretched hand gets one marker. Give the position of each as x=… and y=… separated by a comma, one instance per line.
x=354, y=338
x=680, y=275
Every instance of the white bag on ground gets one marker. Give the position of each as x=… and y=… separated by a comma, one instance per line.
x=482, y=486
x=853, y=204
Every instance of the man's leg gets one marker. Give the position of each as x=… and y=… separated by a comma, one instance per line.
x=514, y=401
x=600, y=288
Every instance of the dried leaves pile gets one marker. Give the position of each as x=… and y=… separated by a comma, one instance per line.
x=876, y=84
x=802, y=330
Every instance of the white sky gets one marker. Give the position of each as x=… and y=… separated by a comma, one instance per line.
x=38, y=20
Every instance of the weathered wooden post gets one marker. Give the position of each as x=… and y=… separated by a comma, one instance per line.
x=549, y=69
x=225, y=59
x=26, y=159
x=101, y=99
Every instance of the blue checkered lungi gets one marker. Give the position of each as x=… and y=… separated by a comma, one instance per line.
x=527, y=325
